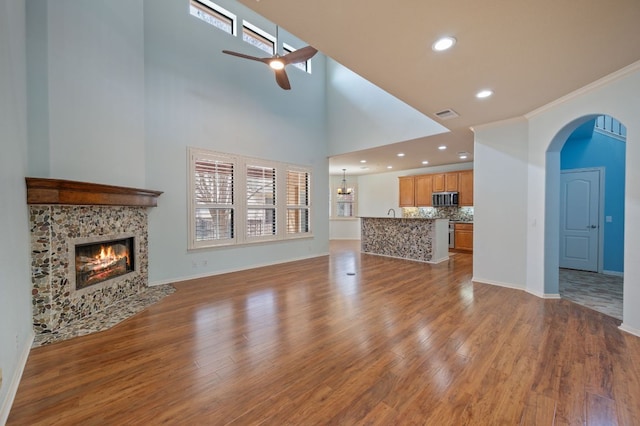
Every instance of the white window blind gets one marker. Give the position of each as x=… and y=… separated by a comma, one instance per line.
x=298, y=202
x=213, y=199
x=238, y=200
x=261, y=201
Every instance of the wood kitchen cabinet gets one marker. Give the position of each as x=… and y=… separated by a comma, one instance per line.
x=424, y=189
x=465, y=188
x=407, y=191
x=445, y=182
x=416, y=191
x=463, y=233
x=438, y=182
x=451, y=182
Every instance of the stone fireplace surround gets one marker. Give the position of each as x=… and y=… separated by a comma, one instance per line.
x=61, y=212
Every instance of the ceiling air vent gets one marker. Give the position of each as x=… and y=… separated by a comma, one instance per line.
x=447, y=114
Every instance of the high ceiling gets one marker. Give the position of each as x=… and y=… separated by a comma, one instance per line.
x=528, y=52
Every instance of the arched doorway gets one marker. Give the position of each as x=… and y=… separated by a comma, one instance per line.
x=580, y=192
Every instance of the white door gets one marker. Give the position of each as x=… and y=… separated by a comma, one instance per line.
x=579, y=219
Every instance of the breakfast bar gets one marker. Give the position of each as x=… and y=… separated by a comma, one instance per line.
x=423, y=240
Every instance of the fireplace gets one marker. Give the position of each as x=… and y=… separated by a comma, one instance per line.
x=89, y=250
x=97, y=262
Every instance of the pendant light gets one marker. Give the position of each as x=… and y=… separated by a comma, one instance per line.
x=343, y=190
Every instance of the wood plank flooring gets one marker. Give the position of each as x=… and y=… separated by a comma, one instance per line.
x=305, y=343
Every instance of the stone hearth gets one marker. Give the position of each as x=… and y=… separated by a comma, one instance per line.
x=62, y=213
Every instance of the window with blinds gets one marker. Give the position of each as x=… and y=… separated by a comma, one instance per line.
x=213, y=200
x=237, y=200
x=298, y=202
x=261, y=201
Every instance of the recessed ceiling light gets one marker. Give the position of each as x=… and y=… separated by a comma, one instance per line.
x=484, y=94
x=363, y=161
x=425, y=162
x=463, y=157
x=401, y=154
x=364, y=168
x=442, y=147
x=443, y=43
x=389, y=167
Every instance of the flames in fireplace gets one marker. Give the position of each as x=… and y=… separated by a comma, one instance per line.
x=98, y=262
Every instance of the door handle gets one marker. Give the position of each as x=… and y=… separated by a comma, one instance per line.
x=592, y=226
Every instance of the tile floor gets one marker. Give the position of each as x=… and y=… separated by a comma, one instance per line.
x=106, y=319
x=602, y=293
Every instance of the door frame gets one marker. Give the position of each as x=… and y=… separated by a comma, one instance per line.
x=601, y=221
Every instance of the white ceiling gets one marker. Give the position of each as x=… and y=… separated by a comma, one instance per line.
x=528, y=52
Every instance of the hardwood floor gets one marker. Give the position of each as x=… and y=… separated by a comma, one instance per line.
x=304, y=343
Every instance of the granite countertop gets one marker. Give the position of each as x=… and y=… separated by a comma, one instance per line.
x=405, y=218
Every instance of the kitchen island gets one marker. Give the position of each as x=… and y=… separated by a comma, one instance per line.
x=424, y=240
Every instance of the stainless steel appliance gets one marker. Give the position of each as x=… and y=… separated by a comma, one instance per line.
x=452, y=235
x=444, y=199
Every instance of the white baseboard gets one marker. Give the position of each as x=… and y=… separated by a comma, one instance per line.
x=630, y=330
x=496, y=283
x=5, y=408
x=515, y=287
x=544, y=295
x=228, y=271
x=616, y=273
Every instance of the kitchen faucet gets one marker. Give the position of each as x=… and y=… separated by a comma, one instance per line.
x=391, y=210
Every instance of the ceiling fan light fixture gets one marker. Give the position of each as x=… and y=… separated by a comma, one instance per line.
x=276, y=64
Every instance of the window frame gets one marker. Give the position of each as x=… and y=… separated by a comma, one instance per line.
x=241, y=204
x=217, y=12
x=260, y=35
x=201, y=155
x=298, y=206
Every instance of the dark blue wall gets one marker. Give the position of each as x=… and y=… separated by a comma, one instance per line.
x=595, y=149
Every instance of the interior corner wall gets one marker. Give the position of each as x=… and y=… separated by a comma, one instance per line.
x=197, y=96
x=86, y=91
x=617, y=97
x=500, y=204
x=16, y=332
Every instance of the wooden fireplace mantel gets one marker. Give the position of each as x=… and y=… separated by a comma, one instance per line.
x=57, y=191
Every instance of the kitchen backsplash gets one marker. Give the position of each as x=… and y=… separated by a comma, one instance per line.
x=464, y=214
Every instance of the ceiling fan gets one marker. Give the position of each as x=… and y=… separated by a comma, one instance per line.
x=277, y=62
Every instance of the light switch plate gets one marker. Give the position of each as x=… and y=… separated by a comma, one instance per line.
x=608, y=219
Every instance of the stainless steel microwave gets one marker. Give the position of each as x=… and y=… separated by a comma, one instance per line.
x=444, y=199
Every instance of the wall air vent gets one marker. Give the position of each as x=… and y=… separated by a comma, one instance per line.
x=447, y=114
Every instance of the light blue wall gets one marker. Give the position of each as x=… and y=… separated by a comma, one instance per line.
x=599, y=150
x=197, y=96
x=15, y=294
x=86, y=91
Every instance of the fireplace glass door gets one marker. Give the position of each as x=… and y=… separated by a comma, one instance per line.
x=98, y=262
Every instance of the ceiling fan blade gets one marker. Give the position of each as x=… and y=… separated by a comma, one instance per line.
x=282, y=79
x=242, y=55
x=300, y=55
